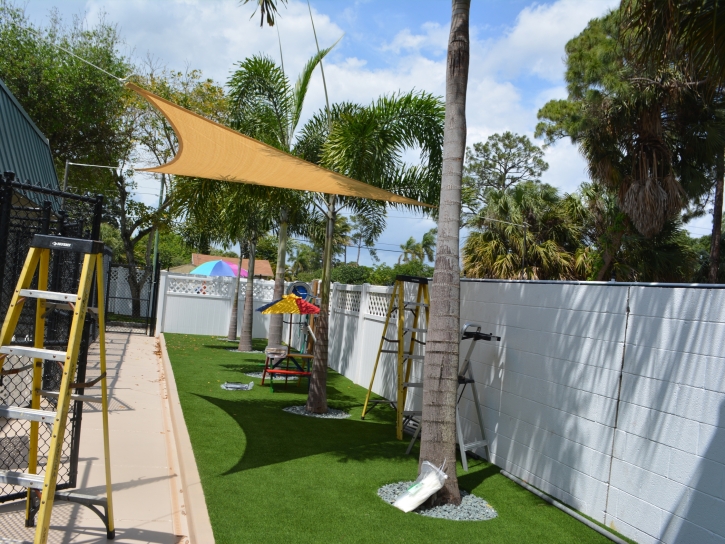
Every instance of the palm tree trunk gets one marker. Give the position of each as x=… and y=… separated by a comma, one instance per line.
x=317, y=398
x=274, y=338
x=440, y=374
x=232, y=332
x=608, y=255
x=245, y=339
x=717, y=219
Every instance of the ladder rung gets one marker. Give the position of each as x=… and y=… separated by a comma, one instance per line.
x=49, y=295
x=392, y=341
x=474, y=445
x=413, y=384
x=21, y=478
x=408, y=329
x=36, y=353
x=388, y=351
x=414, y=357
x=27, y=414
x=74, y=397
x=413, y=303
x=413, y=413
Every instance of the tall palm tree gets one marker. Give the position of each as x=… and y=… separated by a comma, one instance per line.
x=365, y=233
x=240, y=214
x=410, y=250
x=367, y=143
x=691, y=35
x=267, y=107
x=428, y=245
x=440, y=378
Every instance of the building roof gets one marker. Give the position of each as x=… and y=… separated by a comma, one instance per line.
x=24, y=149
x=261, y=266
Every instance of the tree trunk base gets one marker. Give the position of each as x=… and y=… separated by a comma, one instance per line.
x=441, y=498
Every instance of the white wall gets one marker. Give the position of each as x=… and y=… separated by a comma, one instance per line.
x=644, y=454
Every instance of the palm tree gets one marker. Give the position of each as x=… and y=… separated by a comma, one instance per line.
x=410, y=249
x=241, y=214
x=428, y=245
x=691, y=35
x=440, y=379
x=367, y=143
x=365, y=232
x=496, y=248
x=267, y=107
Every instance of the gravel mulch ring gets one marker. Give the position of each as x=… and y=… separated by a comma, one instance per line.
x=472, y=508
x=331, y=413
x=259, y=376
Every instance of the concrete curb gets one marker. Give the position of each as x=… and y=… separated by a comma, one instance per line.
x=200, y=531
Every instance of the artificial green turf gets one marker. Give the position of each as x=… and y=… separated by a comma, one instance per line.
x=270, y=476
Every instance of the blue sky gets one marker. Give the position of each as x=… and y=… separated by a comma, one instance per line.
x=517, y=49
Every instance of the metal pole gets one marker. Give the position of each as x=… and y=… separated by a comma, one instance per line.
x=65, y=176
x=155, y=263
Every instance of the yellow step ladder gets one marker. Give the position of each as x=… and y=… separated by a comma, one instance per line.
x=406, y=355
x=42, y=487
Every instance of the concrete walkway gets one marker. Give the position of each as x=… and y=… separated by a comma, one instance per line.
x=148, y=498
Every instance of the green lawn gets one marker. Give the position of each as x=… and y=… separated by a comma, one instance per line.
x=269, y=476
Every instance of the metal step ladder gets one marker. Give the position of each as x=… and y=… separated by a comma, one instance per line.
x=42, y=487
x=469, y=331
x=406, y=355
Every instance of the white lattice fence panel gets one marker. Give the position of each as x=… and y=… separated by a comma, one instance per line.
x=198, y=286
x=348, y=301
x=378, y=304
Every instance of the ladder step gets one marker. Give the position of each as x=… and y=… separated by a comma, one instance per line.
x=27, y=414
x=408, y=329
x=413, y=357
x=413, y=303
x=36, y=353
x=474, y=445
x=413, y=384
x=389, y=350
x=73, y=397
x=49, y=295
x=34, y=481
x=413, y=412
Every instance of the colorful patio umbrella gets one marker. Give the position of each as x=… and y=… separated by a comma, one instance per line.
x=289, y=304
x=218, y=268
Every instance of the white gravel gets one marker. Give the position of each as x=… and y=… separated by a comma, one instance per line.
x=472, y=508
x=331, y=413
x=237, y=351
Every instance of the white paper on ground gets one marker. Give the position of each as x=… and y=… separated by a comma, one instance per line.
x=431, y=479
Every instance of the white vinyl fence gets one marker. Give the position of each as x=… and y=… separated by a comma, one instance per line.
x=608, y=396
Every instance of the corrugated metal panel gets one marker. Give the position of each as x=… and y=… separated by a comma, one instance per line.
x=24, y=149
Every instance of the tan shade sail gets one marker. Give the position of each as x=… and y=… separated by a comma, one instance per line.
x=213, y=151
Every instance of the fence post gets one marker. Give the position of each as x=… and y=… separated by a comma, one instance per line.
x=6, y=200
x=45, y=219
x=97, y=217
x=359, y=331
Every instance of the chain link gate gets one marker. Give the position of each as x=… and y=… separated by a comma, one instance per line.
x=21, y=217
x=129, y=297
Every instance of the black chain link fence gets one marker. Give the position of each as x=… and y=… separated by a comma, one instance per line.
x=26, y=210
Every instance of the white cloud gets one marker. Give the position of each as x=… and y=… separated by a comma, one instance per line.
x=535, y=44
x=510, y=77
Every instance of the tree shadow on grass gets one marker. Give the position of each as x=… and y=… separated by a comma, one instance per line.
x=273, y=436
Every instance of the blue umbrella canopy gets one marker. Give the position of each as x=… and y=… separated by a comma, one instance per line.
x=216, y=268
